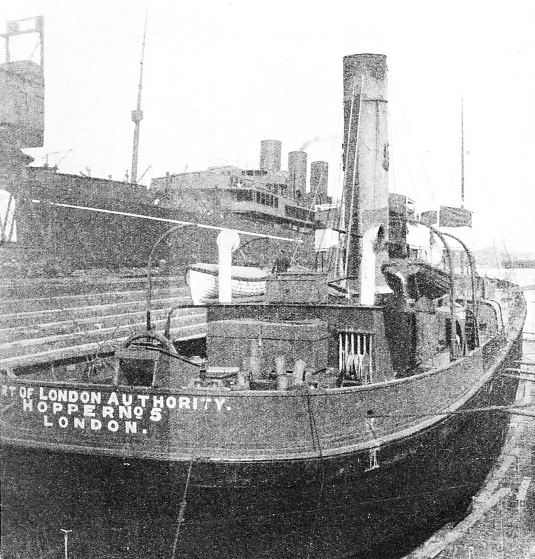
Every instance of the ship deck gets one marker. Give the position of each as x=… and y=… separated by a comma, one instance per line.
x=44, y=321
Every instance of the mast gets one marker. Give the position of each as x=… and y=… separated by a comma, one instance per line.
x=137, y=114
x=462, y=153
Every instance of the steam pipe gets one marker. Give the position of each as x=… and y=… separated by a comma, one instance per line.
x=367, y=270
x=472, y=262
x=227, y=242
x=441, y=236
x=149, y=267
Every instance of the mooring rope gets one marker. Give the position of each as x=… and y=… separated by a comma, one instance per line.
x=182, y=510
x=316, y=444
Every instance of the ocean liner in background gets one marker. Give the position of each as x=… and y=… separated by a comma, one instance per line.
x=85, y=222
x=330, y=419
x=88, y=222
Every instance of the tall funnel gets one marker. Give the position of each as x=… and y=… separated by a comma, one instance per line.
x=297, y=172
x=270, y=155
x=365, y=150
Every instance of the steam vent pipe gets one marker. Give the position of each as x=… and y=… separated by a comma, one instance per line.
x=365, y=150
x=227, y=242
x=319, y=179
x=270, y=155
x=297, y=172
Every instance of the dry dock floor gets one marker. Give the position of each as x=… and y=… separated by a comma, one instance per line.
x=47, y=321
x=501, y=524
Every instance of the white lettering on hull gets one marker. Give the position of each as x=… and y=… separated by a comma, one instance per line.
x=97, y=411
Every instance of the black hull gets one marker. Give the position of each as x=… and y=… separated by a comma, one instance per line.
x=65, y=226
x=334, y=507
x=78, y=239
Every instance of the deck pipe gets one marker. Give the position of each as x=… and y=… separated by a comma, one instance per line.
x=227, y=242
x=299, y=372
x=367, y=278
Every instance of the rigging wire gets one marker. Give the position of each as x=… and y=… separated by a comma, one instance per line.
x=397, y=149
x=412, y=137
x=341, y=222
x=355, y=171
x=313, y=204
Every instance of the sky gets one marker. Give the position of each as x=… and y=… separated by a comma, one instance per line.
x=220, y=76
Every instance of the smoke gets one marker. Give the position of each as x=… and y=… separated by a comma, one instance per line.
x=315, y=140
